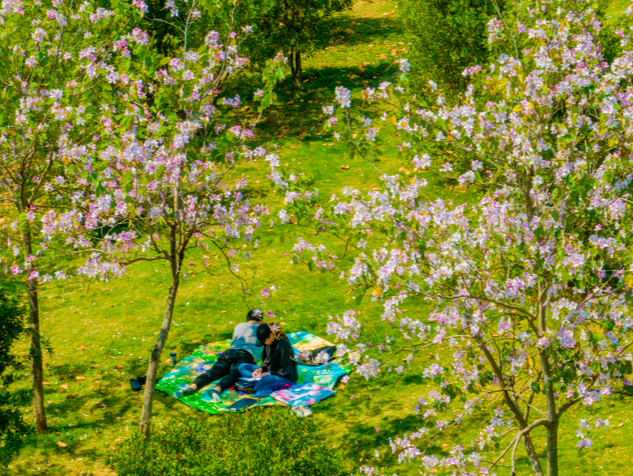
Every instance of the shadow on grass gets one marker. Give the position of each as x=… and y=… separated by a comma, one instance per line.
x=322, y=79
x=300, y=114
x=68, y=370
x=353, y=31
x=367, y=437
x=65, y=439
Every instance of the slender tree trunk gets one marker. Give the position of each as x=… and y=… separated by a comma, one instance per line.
x=552, y=430
x=154, y=360
x=550, y=394
x=37, y=369
x=291, y=63
x=552, y=449
x=514, y=408
x=298, y=70
x=532, y=456
x=294, y=61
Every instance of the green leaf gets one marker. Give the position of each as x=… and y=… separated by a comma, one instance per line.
x=125, y=65
x=159, y=172
x=127, y=177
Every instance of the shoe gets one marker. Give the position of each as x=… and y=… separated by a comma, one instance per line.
x=183, y=392
x=245, y=389
x=215, y=396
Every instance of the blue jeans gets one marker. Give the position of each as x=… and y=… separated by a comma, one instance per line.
x=267, y=384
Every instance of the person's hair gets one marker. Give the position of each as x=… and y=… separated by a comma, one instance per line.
x=255, y=315
x=277, y=330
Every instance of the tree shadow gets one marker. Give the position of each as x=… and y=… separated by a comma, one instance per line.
x=67, y=370
x=412, y=379
x=366, y=437
x=64, y=439
x=300, y=113
x=353, y=31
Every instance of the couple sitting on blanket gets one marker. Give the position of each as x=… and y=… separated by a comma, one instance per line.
x=250, y=338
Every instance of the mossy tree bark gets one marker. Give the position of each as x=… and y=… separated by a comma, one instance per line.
x=35, y=351
x=154, y=361
x=296, y=68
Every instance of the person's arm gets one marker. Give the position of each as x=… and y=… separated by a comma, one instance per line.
x=287, y=365
x=266, y=359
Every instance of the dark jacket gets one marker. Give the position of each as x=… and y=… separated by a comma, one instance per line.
x=278, y=360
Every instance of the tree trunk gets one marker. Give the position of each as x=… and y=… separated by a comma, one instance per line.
x=513, y=406
x=37, y=369
x=552, y=429
x=552, y=449
x=532, y=456
x=291, y=63
x=550, y=394
x=154, y=360
x=298, y=70
x=294, y=61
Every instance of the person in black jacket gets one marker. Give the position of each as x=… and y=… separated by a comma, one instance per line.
x=279, y=368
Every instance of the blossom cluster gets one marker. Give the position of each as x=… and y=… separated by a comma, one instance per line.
x=530, y=283
x=134, y=148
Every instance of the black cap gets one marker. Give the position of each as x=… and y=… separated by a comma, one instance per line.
x=255, y=315
x=263, y=332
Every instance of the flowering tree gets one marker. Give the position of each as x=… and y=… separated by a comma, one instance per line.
x=163, y=178
x=53, y=75
x=529, y=285
x=296, y=27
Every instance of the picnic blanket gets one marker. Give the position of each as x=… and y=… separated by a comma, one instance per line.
x=308, y=393
x=321, y=379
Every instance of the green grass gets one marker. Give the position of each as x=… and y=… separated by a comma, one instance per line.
x=364, y=44
x=102, y=333
x=617, y=8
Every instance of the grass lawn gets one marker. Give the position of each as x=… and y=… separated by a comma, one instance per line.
x=617, y=8
x=101, y=334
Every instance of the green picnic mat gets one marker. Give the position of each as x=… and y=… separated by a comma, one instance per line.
x=201, y=359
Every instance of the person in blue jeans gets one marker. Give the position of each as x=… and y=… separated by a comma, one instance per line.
x=279, y=369
x=243, y=350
